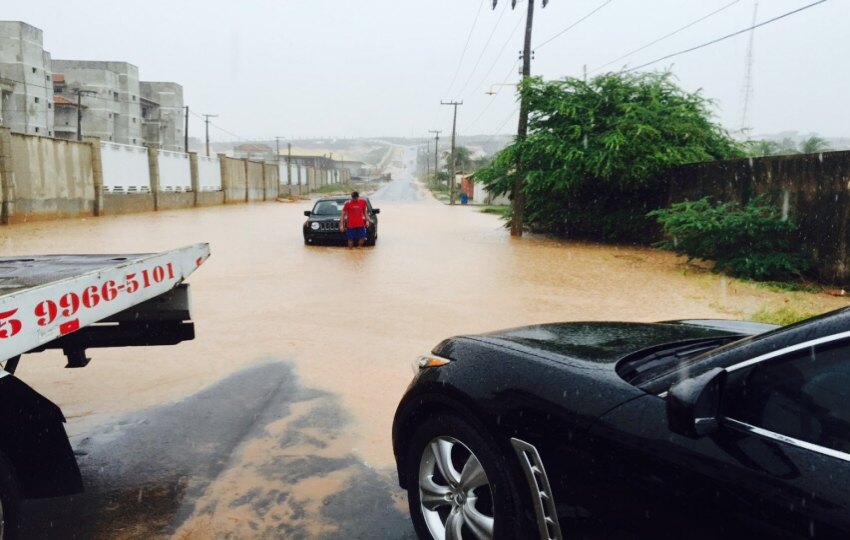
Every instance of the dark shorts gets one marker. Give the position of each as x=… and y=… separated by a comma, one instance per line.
x=355, y=233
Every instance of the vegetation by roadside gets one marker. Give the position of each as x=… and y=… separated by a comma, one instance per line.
x=752, y=241
x=597, y=150
x=782, y=316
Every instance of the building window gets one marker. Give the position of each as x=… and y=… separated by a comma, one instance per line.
x=134, y=141
x=134, y=98
x=50, y=133
x=34, y=70
x=47, y=77
x=49, y=105
x=36, y=100
x=110, y=115
x=134, y=120
x=36, y=130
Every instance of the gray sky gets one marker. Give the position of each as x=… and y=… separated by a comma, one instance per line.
x=341, y=68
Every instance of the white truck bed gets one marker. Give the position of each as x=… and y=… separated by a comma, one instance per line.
x=43, y=298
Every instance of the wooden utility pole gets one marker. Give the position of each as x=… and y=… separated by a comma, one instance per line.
x=79, y=92
x=518, y=198
x=454, y=129
x=207, y=122
x=436, y=150
x=289, y=164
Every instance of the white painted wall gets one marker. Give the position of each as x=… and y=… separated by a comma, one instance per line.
x=209, y=173
x=125, y=168
x=175, y=173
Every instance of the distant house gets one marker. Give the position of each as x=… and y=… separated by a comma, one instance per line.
x=254, y=152
x=355, y=168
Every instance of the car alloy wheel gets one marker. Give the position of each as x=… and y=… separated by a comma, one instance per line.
x=454, y=493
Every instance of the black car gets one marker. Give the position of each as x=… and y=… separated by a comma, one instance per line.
x=680, y=429
x=322, y=227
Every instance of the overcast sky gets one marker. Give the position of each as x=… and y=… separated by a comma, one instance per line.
x=342, y=68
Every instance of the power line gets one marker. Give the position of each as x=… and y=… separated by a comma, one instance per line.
x=662, y=38
x=466, y=45
x=570, y=27
x=492, y=100
x=733, y=34
x=483, y=50
x=499, y=56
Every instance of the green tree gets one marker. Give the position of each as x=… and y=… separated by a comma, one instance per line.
x=761, y=148
x=463, y=159
x=597, y=151
x=814, y=145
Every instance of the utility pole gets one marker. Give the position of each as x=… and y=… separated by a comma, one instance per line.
x=80, y=92
x=436, y=151
x=186, y=131
x=277, y=148
x=518, y=198
x=289, y=164
x=207, y=122
x=454, y=128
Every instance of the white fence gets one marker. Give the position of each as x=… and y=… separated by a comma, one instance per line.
x=175, y=173
x=209, y=173
x=125, y=168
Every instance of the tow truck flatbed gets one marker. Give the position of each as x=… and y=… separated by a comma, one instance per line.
x=45, y=298
x=74, y=303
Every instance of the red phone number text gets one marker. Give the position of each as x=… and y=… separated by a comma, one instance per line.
x=69, y=304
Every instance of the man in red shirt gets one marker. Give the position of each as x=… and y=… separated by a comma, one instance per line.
x=356, y=220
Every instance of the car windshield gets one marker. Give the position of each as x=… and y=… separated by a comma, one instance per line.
x=328, y=208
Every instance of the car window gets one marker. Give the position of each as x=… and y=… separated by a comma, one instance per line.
x=804, y=395
x=327, y=208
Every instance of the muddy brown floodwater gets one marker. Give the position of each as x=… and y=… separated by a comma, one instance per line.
x=348, y=323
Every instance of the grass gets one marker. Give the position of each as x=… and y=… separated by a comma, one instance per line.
x=782, y=316
x=786, y=286
x=499, y=210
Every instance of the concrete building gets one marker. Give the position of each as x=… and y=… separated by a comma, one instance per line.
x=254, y=152
x=26, y=92
x=111, y=99
x=163, y=115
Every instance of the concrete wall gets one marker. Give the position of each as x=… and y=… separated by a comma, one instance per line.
x=256, y=182
x=51, y=178
x=233, y=179
x=127, y=203
x=813, y=189
x=43, y=178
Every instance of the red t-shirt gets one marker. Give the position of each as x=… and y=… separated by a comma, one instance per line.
x=355, y=209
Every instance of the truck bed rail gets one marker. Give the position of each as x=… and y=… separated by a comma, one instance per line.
x=46, y=297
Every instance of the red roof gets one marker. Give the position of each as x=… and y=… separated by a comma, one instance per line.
x=59, y=100
x=58, y=78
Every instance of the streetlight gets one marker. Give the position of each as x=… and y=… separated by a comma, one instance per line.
x=490, y=92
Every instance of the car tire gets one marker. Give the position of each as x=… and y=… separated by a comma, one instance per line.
x=469, y=499
x=10, y=500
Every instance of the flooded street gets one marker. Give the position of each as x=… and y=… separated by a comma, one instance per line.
x=275, y=421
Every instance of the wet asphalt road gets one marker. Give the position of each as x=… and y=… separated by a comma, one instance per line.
x=145, y=474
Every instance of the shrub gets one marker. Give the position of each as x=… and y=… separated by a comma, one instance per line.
x=750, y=241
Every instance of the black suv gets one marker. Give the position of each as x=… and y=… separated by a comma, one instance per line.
x=323, y=223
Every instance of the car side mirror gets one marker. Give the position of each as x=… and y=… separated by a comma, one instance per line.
x=693, y=405
x=376, y=210
x=308, y=213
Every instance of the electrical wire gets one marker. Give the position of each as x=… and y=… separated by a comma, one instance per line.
x=466, y=45
x=483, y=50
x=493, y=100
x=733, y=34
x=570, y=27
x=499, y=55
x=662, y=38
